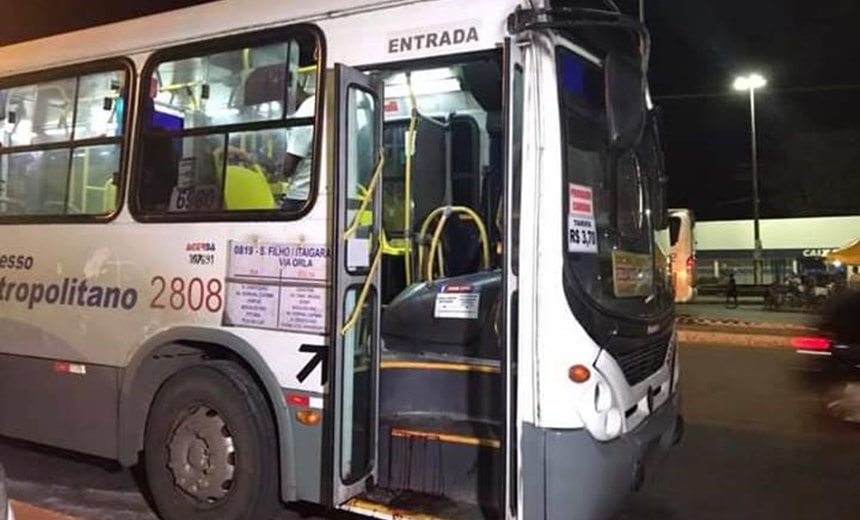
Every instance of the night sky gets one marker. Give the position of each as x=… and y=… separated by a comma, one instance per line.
x=809, y=135
x=809, y=144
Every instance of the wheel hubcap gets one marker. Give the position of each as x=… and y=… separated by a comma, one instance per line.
x=202, y=455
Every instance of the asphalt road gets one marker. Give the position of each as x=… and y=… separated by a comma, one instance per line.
x=767, y=438
x=770, y=436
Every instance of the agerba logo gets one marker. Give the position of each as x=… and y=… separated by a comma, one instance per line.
x=423, y=40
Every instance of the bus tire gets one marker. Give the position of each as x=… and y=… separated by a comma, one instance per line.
x=210, y=447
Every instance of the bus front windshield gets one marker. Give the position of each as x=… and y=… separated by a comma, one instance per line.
x=609, y=234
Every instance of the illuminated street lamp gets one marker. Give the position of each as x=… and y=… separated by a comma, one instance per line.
x=751, y=83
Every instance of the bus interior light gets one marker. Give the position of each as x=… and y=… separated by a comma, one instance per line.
x=426, y=88
x=421, y=76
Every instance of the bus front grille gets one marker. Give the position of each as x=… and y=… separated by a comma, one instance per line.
x=641, y=362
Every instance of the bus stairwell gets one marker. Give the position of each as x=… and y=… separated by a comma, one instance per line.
x=440, y=409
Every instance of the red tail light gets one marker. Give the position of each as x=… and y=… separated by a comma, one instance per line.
x=810, y=343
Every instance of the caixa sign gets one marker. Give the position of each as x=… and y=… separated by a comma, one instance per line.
x=816, y=253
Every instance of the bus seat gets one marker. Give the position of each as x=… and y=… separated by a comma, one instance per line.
x=410, y=325
x=247, y=189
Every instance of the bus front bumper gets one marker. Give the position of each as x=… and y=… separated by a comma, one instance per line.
x=568, y=475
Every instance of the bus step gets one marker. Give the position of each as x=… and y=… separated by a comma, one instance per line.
x=418, y=506
x=456, y=458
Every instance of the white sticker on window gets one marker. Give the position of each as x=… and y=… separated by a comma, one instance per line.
x=187, y=172
x=357, y=253
x=457, y=303
x=195, y=198
x=581, y=235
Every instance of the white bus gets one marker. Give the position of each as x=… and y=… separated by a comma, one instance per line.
x=394, y=257
x=682, y=225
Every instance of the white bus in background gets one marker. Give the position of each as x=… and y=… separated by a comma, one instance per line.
x=239, y=250
x=682, y=230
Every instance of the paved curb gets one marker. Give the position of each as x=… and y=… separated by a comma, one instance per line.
x=733, y=339
x=699, y=320
x=25, y=511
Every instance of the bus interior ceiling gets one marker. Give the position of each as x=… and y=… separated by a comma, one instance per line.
x=440, y=411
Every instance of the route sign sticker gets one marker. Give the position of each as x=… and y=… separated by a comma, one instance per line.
x=278, y=286
x=580, y=200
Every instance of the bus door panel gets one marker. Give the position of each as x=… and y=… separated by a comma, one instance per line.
x=353, y=393
x=509, y=223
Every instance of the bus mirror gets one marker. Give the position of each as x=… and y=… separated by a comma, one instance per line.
x=625, y=101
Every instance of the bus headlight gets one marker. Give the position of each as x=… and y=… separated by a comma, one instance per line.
x=613, y=423
x=596, y=403
x=676, y=372
x=602, y=397
x=672, y=358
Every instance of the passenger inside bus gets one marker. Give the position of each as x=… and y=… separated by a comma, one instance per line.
x=211, y=163
x=299, y=144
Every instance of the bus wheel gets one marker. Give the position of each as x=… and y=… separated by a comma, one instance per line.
x=210, y=447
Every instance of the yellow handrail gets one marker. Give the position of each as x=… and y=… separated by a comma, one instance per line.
x=365, y=288
x=365, y=199
x=434, y=242
x=374, y=266
x=423, y=232
x=407, y=191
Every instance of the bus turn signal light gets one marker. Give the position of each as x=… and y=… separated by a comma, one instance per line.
x=308, y=417
x=579, y=373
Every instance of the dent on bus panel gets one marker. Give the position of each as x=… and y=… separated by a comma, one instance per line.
x=223, y=166
x=61, y=144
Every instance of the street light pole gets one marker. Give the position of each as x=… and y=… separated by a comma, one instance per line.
x=756, y=200
x=751, y=83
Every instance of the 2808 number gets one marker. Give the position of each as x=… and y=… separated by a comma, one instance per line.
x=195, y=294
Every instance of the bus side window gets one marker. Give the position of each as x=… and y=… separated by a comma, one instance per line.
x=72, y=129
x=224, y=126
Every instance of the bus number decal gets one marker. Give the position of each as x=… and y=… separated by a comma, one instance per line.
x=194, y=294
x=195, y=298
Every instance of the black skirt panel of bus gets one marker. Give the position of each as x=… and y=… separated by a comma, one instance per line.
x=456, y=316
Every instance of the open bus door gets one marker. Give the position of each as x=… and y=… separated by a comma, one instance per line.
x=513, y=107
x=352, y=417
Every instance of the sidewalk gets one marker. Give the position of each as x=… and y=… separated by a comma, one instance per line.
x=748, y=325
x=24, y=511
x=746, y=312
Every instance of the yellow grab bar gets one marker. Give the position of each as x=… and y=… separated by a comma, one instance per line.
x=407, y=190
x=356, y=222
x=434, y=242
x=365, y=199
x=365, y=288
